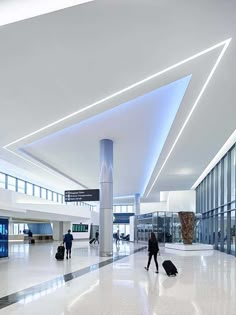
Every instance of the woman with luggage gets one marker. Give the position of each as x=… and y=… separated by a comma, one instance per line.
x=153, y=249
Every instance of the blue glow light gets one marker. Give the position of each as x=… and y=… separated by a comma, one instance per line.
x=156, y=113
x=173, y=95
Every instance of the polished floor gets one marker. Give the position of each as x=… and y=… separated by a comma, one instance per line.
x=33, y=282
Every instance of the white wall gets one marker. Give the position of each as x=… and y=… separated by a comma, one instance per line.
x=20, y=205
x=81, y=235
x=61, y=228
x=65, y=227
x=7, y=196
x=95, y=216
x=94, y=220
x=152, y=207
x=57, y=231
x=182, y=200
x=164, y=195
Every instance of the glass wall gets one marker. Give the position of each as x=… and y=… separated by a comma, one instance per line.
x=123, y=208
x=165, y=225
x=124, y=228
x=21, y=186
x=216, y=203
x=18, y=228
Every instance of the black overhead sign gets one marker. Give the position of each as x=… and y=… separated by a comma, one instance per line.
x=82, y=195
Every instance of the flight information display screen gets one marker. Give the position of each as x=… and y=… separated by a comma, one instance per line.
x=3, y=237
x=79, y=228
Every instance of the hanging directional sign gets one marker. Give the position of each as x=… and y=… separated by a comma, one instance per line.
x=82, y=195
x=121, y=218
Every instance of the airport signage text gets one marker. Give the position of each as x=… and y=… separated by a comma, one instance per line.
x=82, y=195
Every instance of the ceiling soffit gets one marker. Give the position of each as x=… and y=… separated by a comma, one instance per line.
x=201, y=66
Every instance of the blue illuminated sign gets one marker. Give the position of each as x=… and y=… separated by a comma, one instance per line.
x=122, y=218
x=3, y=237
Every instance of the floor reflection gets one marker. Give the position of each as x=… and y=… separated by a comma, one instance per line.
x=35, y=292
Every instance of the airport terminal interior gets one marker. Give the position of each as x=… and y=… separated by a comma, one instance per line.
x=118, y=134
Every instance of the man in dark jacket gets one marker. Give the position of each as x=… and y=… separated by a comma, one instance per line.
x=68, y=238
x=30, y=234
x=96, y=237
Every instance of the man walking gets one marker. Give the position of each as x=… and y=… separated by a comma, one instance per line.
x=118, y=237
x=68, y=238
x=30, y=234
x=96, y=237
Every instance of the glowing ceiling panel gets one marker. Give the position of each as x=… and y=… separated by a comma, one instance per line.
x=139, y=128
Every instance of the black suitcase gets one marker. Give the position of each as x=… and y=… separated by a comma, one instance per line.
x=61, y=249
x=60, y=252
x=92, y=240
x=170, y=268
x=32, y=241
x=59, y=256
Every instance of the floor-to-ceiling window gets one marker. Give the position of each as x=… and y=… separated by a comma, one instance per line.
x=121, y=214
x=216, y=203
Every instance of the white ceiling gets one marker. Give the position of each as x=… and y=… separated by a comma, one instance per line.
x=17, y=10
x=59, y=63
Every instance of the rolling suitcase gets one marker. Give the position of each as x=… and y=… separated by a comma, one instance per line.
x=60, y=252
x=32, y=241
x=170, y=268
x=92, y=240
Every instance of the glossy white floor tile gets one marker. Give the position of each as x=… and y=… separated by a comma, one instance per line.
x=206, y=284
x=29, y=265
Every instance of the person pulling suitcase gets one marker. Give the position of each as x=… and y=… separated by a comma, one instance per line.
x=60, y=252
x=96, y=237
x=170, y=268
x=92, y=241
x=68, y=238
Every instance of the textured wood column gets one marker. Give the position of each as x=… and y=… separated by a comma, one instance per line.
x=187, y=226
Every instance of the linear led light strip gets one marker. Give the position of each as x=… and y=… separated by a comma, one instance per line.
x=226, y=44
x=123, y=197
x=225, y=148
x=119, y=92
x=39, y=166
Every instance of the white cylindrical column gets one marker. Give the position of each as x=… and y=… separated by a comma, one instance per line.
x=106, y=198
x=137, y=204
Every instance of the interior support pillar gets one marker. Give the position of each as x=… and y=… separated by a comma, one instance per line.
x=106, y=198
